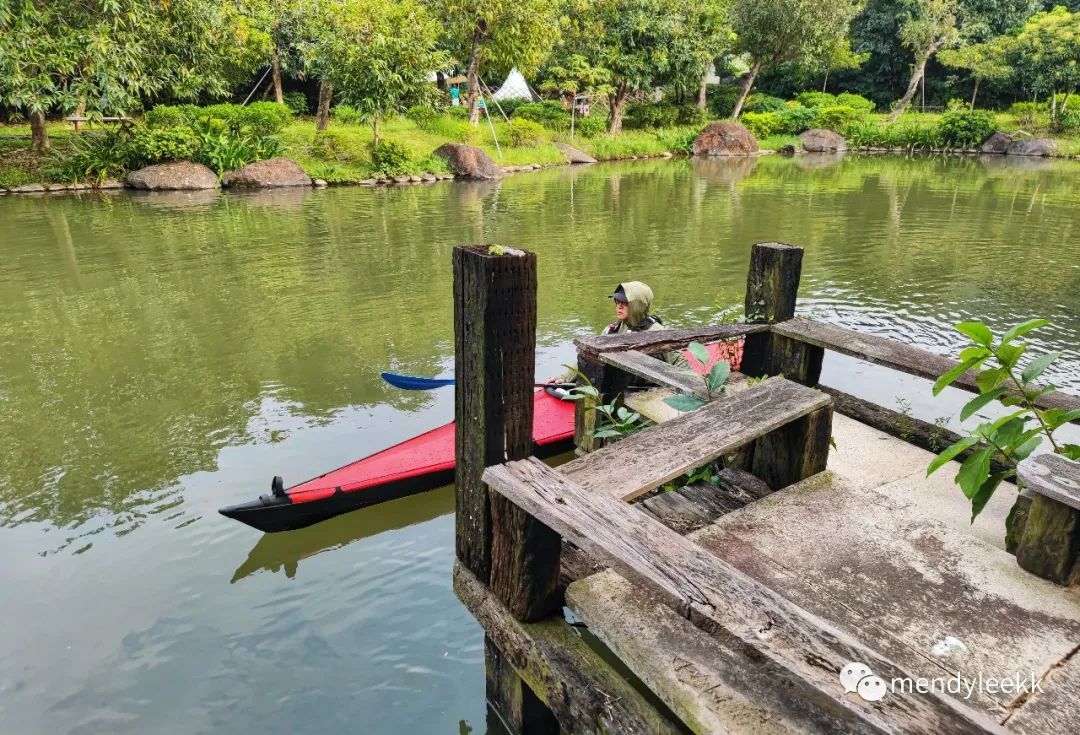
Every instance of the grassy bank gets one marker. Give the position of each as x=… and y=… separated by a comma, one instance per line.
x=343, y=153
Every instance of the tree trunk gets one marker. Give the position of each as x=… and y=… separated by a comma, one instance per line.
x=913, y=84
x=275, y=65
x=615, y=115
x=1053, y=107
x=39, y=133
x=375, y=131
x=703, y=90
x=322, y=115
x=973, y=93
x=472, y=74
x=747, y=86
x=825, y=84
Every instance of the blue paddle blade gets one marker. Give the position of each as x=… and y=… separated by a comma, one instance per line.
x=411, y=382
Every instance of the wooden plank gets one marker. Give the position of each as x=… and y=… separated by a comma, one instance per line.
x=647, y=460
x=795, y=451
x=657, y=371
x=519, y=710
x=772, y=282
x=1056, y=708
x=802, y=653
x=1053, y=476
x=581, y=689
x=663, y=340
x=896, y=355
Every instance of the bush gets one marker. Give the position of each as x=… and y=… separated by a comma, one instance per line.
x=678, y=141
x=1069, y=120
x=509, y=106
x=856, y=102
x=797, y=119
x=835, y=117
x=763, y=124
x=816, y=99
x=390, y=158
x=524, y=133
x=155, y=145
x=646, y=115
x=965, y=128
x=458, y=112
x=96, y=157
x=548, y=113
x=226, y=151
x=863, y=134
x=1026, y=113
x=692, y=115
x=423, y=115
x=296, y=102
x=764, y=103
x=722, y=98
x=345, y=114
x=590, y=126
x=955, y=105
x=170, y=116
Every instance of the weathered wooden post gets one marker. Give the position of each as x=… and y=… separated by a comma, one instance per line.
x=801, y=448
x=494, y=363
x=772, y=287
x=1049, y=544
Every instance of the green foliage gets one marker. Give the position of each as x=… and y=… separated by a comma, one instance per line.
x=965, y=128
x=763, y=124
x=855, y=101
x=758, y=102
x=423, y=115
x=346, y=114
x=508, y=106
x=679, y=140
x=297, y=103
x=95, y=157
x=1046, y=52
x=692, y=115
x=1001, y=376
x=721, y=99
x=1026, y=113
x=715, y=379
x=170, y=116
x=797, y=120
x=226, y=151
x=590, y=126
x=390, y=158
x=155, y=145
x=524, y=133
x=816, y=99
x=613, y=421
x=647, y=115
x=256, y=119
x=1069, y=120
x=548, y=113
x=835, y=117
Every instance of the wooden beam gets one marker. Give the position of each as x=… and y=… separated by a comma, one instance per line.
x=646, y=460
x=661, y=341
x=575, y=683
x=1052, y=476
x=1050, y=543
x=795, y=451
x=803, y=654
x=658, y=371
x=896, y=355
x=519, y=710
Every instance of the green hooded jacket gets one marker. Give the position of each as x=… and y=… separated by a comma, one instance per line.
x=639, y=299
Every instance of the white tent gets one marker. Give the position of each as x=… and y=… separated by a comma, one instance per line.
x=515, y=87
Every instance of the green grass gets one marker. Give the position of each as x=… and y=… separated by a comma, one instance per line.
x=776, y=142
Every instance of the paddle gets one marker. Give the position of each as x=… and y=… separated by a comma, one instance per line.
x=412, y=382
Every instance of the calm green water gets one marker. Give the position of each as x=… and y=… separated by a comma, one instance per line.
x=161, y=356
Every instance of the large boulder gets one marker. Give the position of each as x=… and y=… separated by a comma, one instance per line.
x=725, y=138
x=174, y=176
x=468, y=161
x=1033, y=147
x=573, y=155
x=273, y=172
x=817, y=140
x=996, y=143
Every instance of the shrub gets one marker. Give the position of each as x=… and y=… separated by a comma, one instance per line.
x=797, y=119
x=864, y=133
x=390, y=158
x=651, y=115
x=548, y=113
x=170, y=116
x=329, y=145
x=345, y=114
x=509, y=106
x=259, y=118
x=910, y=135
x=856, y=102
x=722, y=99
x=954, y=105
x=423, y=115
x=763, y=124
x=96, y=157
x=296, y=102
x=764, y=103
x=692, y=115
x=816, y=99
x=524, y=133
x=154, y=145
x=1069, y=120
x=590, y=126
x=225, y=151
x=458, y=112
x=1026, y=113
x=965, y=128
x=835, y=117
x=678, y=141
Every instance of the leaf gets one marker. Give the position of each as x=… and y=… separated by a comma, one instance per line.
x=1056, y=417
x=1024, y=450
x=974, y=471
x=979, y=332
x=987, y=380
x=1037, y=366
x=718, y=376
x=1072, y=451
x=979, y=401
x=950, y=452
x=605, y=433
x=699, y=351
x=974, y=351
x=1021, y=329
x=623, y=413
x=684, y=403
x=951, y=375
x=1009, y=432
x=986, y=491
x=1009, y=355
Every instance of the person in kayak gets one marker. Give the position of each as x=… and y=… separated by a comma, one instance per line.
x=632, y=302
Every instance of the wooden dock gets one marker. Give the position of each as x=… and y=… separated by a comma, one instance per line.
x=735, y=606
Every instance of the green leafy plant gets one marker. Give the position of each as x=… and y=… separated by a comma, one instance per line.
x=524, y=133
x=797, y=119
x=590, y=126
x=965, y=128
x=613, y=421
x=714, y=381
x=346, y=115
x=390, y=158
x=648, y=115
x=759, y=102
x=153, y=145
x=225, y=151
x=763, y=124
x=1027, y=114
x=836, y=117
x=296, y=102
x=423, y=115
x=817, y=99
x=1013, y=437
x=692, y=115
x=95, y=158
x=548, y=113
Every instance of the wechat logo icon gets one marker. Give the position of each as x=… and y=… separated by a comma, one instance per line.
x=857, y=677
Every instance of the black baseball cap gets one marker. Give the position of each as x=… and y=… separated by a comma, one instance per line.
x=619, y=295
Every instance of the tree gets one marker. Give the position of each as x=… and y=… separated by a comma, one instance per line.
x=377, y=55
x=503, y=33
x=774, y=32
x=985, y=61
x=924, y=30
x=1047, y=52
x=108, y=56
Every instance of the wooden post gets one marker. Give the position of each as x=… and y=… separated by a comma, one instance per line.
x=772, y=286
x=1049, y=545
x=494, y=363
x=794, y=452
x=517, y=708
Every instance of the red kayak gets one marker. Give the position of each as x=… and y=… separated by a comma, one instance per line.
x=422, y=463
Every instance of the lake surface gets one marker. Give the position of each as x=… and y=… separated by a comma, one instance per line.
x=164, y=355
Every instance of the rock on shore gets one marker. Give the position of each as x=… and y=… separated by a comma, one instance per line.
x=725, y=138
x=174, y=176
x=468, y=161
x=273, y=172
